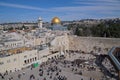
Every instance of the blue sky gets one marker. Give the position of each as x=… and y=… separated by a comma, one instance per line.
x=30, y=10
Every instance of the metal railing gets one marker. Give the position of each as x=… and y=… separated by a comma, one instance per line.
x=112, y=54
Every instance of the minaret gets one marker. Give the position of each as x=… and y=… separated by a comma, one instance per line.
x=40, y=22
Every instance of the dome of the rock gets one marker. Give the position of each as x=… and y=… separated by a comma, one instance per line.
x=55, y=20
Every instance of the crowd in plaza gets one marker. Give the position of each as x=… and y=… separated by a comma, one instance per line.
x=60, y=68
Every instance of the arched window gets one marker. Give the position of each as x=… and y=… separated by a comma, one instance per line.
x=30, y=60
x=25, y=61
x=35, y=58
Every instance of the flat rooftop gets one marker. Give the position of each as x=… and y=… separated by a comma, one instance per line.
x=9, y=52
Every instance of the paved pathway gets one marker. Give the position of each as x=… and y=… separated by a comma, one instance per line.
x=63, y=69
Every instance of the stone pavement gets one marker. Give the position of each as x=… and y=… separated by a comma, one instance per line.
x=61, y=69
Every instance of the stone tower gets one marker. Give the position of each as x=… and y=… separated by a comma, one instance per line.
x=40, y=22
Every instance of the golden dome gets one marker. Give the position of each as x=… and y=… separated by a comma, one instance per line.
x=55, y=20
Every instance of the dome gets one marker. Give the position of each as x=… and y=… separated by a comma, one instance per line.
x=55, y=20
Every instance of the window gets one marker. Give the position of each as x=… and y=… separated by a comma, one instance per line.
x=25, y=61
x=15, y=59
x=6, y=45
x=1, y=63
x=25, y=56
x=8, y=61
x=35, y=58
x=11, y=45
x=30, y=60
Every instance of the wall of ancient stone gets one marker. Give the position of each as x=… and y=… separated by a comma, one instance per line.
x=60, y=43
x=96, y=44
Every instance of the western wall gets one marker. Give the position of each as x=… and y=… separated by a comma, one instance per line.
x=95, y=44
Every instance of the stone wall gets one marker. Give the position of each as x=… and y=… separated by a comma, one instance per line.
x=96, y=44
x=60, y=43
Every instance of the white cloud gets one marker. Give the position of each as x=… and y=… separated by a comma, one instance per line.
x=98, y=2
x=20, y=6
x=96, y=7
x=84, y=8
x=89, y=9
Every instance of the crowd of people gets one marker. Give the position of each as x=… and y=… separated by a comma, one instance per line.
x=55, y=67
